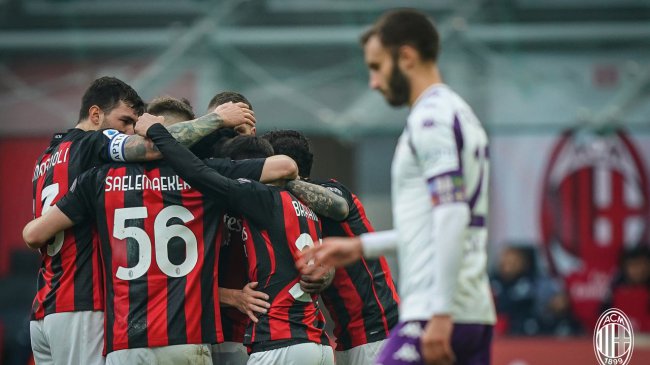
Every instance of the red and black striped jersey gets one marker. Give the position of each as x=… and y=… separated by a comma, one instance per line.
x=233, y=274
x=158, y=239
x=70, y=277
x=278, y=226
x=362, y=298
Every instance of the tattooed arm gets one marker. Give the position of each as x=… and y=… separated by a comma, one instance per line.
x=137, y=148
x=320, y=199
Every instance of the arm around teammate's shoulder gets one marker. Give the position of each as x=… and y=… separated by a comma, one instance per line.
x=279, y=167
x=320, y=199
x=137, y=148
x=39, y=231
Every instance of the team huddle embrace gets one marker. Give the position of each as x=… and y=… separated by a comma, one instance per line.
x=169, y=239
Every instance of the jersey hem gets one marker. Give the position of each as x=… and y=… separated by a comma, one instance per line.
x=276, y=344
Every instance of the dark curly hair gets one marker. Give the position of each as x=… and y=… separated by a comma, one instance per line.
x=243, y=147
x=228, y=96
x=295, y=145
x=107, y=92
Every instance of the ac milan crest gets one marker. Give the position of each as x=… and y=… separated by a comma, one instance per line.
x=595, y=204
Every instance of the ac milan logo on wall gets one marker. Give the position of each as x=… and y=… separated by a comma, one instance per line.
x=595, y=201
x=613, y=338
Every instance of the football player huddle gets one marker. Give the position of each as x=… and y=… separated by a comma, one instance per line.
x=169, y=239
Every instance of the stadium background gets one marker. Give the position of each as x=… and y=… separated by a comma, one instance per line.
x=531, y=69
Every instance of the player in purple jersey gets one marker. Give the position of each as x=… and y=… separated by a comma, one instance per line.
x=439, y=200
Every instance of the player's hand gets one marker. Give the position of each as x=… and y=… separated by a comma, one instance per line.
x=145, y=121
x=334, y=252
x=312, y=285
x=436, y=341
x=235, y=114
x=251, y=301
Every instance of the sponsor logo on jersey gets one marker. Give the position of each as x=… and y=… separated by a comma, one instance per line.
x=110, y=133
x=613, y=338
x=335, y=190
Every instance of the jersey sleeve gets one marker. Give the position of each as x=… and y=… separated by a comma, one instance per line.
x=247, y=169
x=435, y=139
x=78, y=203
x=338, y=189
x=254, y=200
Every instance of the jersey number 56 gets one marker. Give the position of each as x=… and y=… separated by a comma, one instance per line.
x=163, y=234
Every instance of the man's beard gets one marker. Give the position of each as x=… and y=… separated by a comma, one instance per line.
x=399, y=87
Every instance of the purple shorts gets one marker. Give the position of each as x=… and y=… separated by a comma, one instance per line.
x=471, y=344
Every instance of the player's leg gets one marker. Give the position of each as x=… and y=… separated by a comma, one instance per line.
x=183, y=354
x=472, y=344
x=402, y=347
x=40, y=344
x=76, y=337
x=229, y=353
x=300, y=354
x=362, y=355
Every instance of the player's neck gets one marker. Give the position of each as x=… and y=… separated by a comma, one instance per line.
x=424, y=77
x=87, y=125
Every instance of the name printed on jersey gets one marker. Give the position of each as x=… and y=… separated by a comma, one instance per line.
x=304, y=211
x=56, y=158
x=144, y=182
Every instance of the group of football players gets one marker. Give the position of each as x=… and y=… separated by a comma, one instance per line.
x=169, y=239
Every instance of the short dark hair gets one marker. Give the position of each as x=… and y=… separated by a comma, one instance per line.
x=228, y=96
x=406, y=27
x=243, y=147
x=106, y=92
x=170, y=106
x=295, y=145
x=211, y=145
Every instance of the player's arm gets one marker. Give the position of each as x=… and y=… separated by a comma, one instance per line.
x=342, y=251
x=247, y=300
x=314, y=284
x=279, y=167
x=136, y=148
x=39, y=231
x=437, y=146
x=74, y=207
x=254, y=200
x=320, y=199
x=189, y=167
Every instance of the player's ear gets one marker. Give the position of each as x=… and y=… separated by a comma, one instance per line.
x=407, y=57
x=95, y=115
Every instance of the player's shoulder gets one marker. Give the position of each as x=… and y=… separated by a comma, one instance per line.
x=82, y=138
x=437, y=105
x=90, y=176
x=333, y=185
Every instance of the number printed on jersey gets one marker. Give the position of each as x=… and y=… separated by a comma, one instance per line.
x=163, y=234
